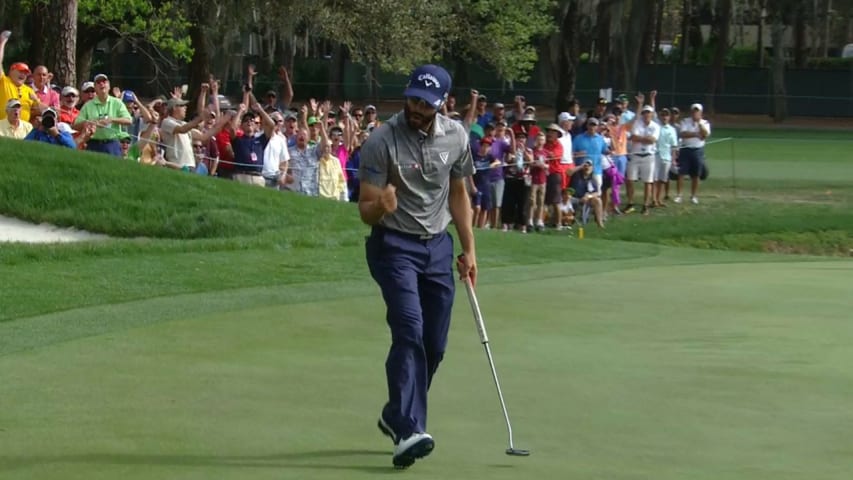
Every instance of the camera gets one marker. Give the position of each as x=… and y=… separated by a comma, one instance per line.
x=48, y=120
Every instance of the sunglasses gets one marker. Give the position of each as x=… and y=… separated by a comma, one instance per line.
x=198, y=147
x=89, y=91
x=70, y=95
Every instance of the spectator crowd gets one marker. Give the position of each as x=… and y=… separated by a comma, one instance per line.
x=526, y=177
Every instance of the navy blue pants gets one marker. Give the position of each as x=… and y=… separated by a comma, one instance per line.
x=416, y=279
x=110, y=147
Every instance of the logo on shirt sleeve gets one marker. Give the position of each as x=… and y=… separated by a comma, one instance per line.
x=444, y=157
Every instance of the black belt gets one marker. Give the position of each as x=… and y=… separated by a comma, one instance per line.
x=641, y=154
x=414, y=236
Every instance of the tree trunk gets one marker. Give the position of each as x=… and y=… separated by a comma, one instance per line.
x=603, y=18
x=630, y=51
x=780, y=104
x=686, y=8
x=722, y=18
x=760, y=47
x=569, y=54
x=199, y=68
x=41, y=12
x=61, y=58
x=659, y=6
x=648, y=38
x=800, y=13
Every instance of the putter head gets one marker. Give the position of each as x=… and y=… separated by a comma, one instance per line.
x=517, y=452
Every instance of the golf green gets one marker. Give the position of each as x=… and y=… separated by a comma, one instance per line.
x=623, y=369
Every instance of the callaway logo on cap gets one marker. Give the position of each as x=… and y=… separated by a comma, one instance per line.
x=430, y=83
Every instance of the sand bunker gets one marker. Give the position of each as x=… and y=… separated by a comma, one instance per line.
x=14, y=230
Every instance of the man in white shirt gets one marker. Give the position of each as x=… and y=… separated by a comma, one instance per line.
x=177, y=135
x=276, y=155
x=643, y=145
x=691, y=159
x=566, y=121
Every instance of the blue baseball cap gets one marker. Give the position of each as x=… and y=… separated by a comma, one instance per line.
x=127, y=96
x=430, y=83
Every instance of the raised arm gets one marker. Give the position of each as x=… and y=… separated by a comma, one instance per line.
x=324, y=136
x=214, y=90
x=144, y=112
x=3, y=40
x=349, y=131
x=268, y=122
x=286, y=87
x=221, y=122
x=471, y=114
x=201, y=102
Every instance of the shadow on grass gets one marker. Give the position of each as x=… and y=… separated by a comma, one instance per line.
x=343, y=460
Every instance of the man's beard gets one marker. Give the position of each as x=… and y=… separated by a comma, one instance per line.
x=417, y=121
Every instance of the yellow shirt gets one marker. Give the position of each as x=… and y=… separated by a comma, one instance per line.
x=8, y=131
x=9, y=90
x=330, y=178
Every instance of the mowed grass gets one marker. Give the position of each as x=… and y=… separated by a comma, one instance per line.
x=726, y=371
x=232, y=332
x=773, y=191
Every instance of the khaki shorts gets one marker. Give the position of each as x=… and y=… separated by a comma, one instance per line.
x=641, y=169
x=256, y=180
x=537, y=195
x=662, y=169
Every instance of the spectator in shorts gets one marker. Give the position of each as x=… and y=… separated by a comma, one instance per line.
x=641, y=168
x=667, y=150
x=538, y=180
x=557, y=179
x=513, y=209
x=482, y=178
x=691, y=161
x=501, y=151
x=276, y=154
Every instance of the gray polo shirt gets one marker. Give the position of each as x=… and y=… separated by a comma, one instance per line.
x=420, y=166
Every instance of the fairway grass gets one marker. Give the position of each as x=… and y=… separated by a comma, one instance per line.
x=716, y=371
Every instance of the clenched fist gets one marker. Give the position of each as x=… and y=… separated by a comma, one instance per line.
x=388, y=199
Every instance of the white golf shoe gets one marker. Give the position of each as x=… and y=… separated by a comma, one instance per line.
x=416, y=446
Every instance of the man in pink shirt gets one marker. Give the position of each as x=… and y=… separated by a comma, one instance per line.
x=41, y=84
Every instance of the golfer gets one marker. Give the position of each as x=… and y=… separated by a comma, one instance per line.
x=413, y=172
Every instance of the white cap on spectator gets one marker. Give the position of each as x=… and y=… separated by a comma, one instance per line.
x=649, y=108
x=369, y=107
x=499, y=105
x=100, y=76
x=696, y=106
x=530, y=109
x=13, y=103
x=70, y=89
x=565, y=117
x=87, y=85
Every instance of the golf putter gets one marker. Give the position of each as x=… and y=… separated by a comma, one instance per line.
x=484, y=339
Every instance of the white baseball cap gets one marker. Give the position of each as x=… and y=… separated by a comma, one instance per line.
x=566, y=117
x=696, y=106
x=648, y=108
